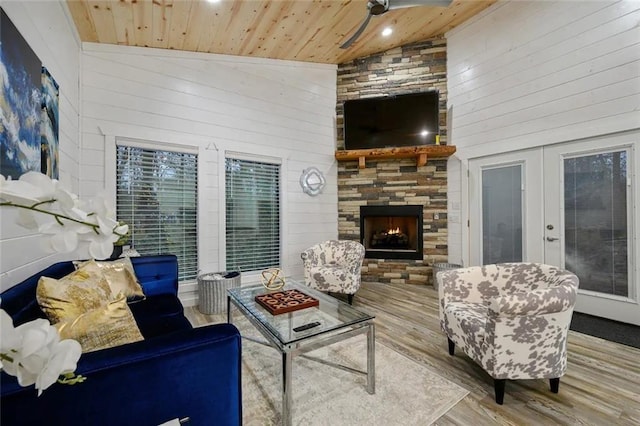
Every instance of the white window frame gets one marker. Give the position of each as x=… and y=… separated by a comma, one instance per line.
x=251, y=276
x=110, y=170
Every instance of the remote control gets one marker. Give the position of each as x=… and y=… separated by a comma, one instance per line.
x=306, y=326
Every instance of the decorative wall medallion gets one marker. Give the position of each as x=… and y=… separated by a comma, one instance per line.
x=312, y=181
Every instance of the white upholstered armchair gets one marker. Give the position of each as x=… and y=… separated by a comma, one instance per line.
x=334, y=266
x=511, y=318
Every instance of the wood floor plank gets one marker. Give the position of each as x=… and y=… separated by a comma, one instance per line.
x=601, y=386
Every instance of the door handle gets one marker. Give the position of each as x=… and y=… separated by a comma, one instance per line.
x=552, y=239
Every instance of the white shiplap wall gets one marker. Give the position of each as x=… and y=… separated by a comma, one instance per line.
x=534, y=73
x=49, y=31
x=216, y=103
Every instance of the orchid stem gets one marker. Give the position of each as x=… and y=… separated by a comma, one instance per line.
x=6, y=357
x=57, y=216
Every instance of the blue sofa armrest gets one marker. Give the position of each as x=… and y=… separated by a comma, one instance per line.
x=191, y=373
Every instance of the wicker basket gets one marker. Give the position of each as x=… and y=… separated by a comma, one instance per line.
x=437, y=267
x=212, y=291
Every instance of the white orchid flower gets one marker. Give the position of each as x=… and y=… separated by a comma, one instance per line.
x=34, y=354
x=64, y=241
x=27, y=220
x=64, y=359
x=46, y=186
x=18, y=191
x=9, y=338
x=52, y=210
x=34, y=350
x=99, y=206
x=107, y=225
x=121, y=230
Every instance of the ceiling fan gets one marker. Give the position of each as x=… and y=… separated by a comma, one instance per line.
x=379, y=7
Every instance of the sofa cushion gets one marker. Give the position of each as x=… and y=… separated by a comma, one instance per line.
x=72, y=295
x=107, y=326
x=158, y=315
x=119, y=275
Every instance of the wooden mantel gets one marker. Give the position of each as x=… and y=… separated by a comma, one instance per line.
x=421, y=153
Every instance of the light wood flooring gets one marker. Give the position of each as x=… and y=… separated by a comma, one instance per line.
x=601, y=386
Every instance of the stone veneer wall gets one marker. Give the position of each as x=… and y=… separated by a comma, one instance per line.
x=412, y=68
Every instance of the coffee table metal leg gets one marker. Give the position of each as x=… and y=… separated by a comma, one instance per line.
x=229, y=309
x=286, y=388
x=371, y=359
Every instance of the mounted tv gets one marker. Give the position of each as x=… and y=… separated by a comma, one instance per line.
x=392, y=121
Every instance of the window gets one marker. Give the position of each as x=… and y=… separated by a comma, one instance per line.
x=157, y=196
x=252, y=215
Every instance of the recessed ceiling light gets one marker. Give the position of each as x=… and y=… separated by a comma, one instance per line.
x=424, y=133
x=213, y=1
x=387, y=31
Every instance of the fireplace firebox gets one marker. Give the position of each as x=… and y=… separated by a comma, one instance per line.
x=391, y=232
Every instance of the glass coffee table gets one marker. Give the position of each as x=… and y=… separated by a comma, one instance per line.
x=332, y=321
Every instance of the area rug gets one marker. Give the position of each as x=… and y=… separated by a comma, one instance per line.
x=407, y=393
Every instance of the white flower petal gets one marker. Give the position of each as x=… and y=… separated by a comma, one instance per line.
x=77, y=213
x=100, y=248
x=26, y=219
x=66, y=199
x=25, y=377
x=49, y=226
x=45, y=185
x=96, y=206
x=64, y=242
x=107, y=225
x=19, y=192
x=35, y=336
x=34, y=363
x=10, y=339
x=64, y=358
x=121, y=230
x=66, y=355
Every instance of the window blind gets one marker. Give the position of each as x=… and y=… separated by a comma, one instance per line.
x=157, y=196
x=252, y=215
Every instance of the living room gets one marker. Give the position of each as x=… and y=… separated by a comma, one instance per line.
x=284, y=112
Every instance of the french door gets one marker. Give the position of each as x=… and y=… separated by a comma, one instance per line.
x=572, y=205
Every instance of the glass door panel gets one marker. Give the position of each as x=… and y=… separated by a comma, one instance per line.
x=502, y=214
x=596, y=222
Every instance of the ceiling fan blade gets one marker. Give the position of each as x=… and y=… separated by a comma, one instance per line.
x=355, y=35
x=400, y=4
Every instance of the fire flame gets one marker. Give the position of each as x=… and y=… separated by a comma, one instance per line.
x=393, y=231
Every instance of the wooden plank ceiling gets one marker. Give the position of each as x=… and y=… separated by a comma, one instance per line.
x=300, y=30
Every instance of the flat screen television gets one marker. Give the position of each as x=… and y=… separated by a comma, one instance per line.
x=392, y=121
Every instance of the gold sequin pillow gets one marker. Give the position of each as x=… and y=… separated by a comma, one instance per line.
x=120, y=276
x=72, y=295
x=105, y=327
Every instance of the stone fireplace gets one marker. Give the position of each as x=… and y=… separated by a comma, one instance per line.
x=395, y=182
x=391, y=232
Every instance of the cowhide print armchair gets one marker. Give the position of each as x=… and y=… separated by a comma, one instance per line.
x=334, y=266
x=511, y=318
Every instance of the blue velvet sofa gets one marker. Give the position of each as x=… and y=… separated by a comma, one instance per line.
x=176, y=372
